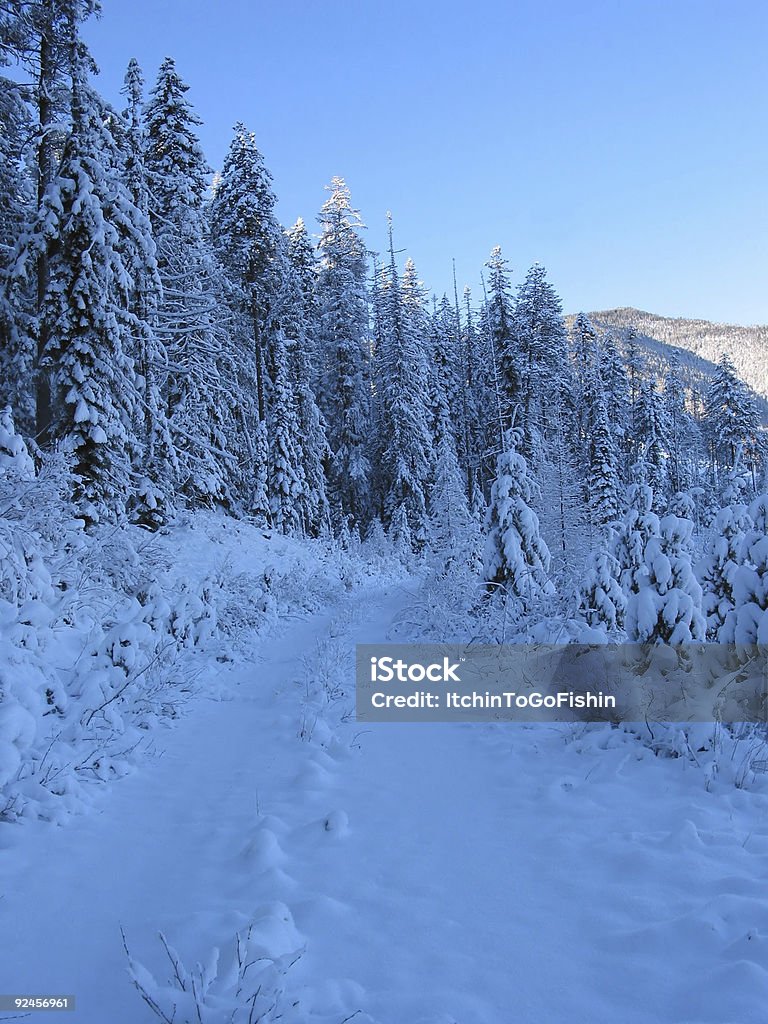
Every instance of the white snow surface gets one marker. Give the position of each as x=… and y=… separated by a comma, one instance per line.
x=396, y=874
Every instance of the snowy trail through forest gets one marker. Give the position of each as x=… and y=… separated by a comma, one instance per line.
x=429, y=874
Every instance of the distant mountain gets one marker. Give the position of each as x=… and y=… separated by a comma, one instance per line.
x=704, y=342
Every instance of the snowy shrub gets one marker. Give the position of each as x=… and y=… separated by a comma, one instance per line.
x=245, y=986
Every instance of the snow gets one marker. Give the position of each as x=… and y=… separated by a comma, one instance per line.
x=395, y=874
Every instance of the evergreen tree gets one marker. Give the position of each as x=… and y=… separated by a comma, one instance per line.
x=602, y=477
x=249, y=243
x=87, y=224
x=602, y=602
x=717, y=569
x=516, y=557
x=286, y=483
x=746, y=624
x=300, y=327
x=616, y=390
x=504, y=346
x=407, y=456
x=652, y=435
x=540, y=336
x=344, y=353
x=663, y=596
x=454, y=534
x=731, y=417
x=160, y=462
x=200, y=400
x=17, y=305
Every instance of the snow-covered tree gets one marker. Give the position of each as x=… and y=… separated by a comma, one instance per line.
x=86, y=226
x=16, y=464
x=747, y=622
x=731, y=417
x=199, y=399
x=717, y=570
x=602, y=472
x=300, y=326
x=407, y=456
x=504, y=346
x=160, y=467
x=286, y=483
x=663, y=595
x=454, y=533
x=250, y=245
x=343, y=352
x=602, y=601
x=652, y=437
x=540, y=337
x=516, y=557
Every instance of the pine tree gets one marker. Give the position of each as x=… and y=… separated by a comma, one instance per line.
x=160, y=463
x=516, y=557
x=616, y=390
x=86, y=226
x=286, y=483
x=454, y=534
x=300, y=326
x=652, y=436
x=682, y=434
x=540, y=336
x=504, y=346
x=746, y=623
x=663, y=596
x=602, y=602
x=17, y=203
x=731, y=417
x=717, y=569
x=407, y=455
x=249, y=243
x=602, y=477
x=200, y=400
x=343, y=349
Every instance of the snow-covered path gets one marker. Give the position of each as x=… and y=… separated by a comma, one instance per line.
x=432, y=874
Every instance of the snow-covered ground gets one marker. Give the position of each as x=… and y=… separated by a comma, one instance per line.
x=400, y=874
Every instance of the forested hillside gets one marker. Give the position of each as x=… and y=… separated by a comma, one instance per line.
x=747, y=347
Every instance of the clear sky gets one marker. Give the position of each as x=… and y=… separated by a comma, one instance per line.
x=621, y=143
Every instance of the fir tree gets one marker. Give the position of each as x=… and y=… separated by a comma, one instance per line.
x=160, y=462
x=730, y=416
x=200, y=402
x=602, y=602
x=300, y=326
x=717, y=569
x=516, y=557
x=540, y=336
x=602, y=477
x=249, y=243
x=87, y=224
x=663, y=596
x=746, y=624
x=407, y=456
x=286, y=483
x=344, y=353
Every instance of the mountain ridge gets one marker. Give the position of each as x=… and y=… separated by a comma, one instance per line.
x=704, y=341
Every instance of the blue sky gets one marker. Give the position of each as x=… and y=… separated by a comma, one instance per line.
x=622, y=144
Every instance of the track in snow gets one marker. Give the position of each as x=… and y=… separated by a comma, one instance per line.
x=431, y=873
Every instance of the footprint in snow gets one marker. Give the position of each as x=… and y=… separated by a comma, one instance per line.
x=336, y=823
